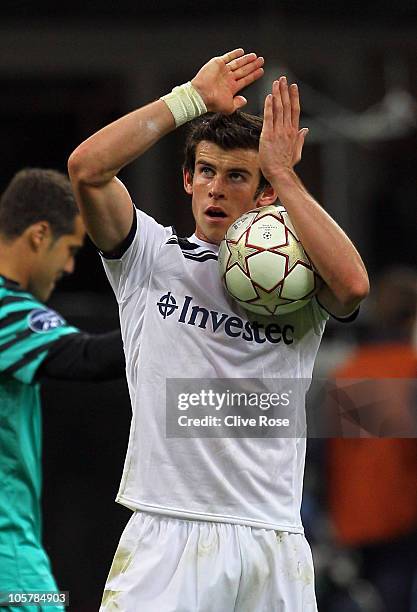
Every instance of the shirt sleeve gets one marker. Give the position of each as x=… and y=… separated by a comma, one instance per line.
x=28, y=331
x=319, y=316
x=82, y=356
x=349, y=318
x=132, y=270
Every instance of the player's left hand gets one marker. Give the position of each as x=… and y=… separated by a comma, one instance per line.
x=281, y=141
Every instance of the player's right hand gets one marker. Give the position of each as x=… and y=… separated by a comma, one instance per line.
x=223, y=77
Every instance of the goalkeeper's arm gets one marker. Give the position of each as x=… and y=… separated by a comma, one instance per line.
x=82, y=356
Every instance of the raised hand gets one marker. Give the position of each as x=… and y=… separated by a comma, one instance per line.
x=223, y=77
x=281, y=141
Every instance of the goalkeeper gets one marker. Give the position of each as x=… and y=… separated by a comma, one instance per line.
x=40, y=233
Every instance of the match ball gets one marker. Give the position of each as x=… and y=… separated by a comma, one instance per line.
x=263, y=264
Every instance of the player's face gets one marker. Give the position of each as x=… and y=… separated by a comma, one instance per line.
x=223, y=187
x=56, y=258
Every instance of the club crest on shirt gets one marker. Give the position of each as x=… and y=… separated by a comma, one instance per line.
x=44, y=319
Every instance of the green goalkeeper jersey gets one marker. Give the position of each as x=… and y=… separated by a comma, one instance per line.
x=28, y=331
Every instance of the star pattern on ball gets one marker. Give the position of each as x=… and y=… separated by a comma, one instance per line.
x=265, y=211
x=238, y=253
x=268, y=296
x=287, y=221
x=291, y=250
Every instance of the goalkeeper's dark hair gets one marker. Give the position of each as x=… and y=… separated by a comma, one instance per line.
x=236, y=131
x=34, y=195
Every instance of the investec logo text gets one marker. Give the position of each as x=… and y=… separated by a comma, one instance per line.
x=234, y=327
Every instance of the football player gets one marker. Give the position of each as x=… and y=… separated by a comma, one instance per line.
x=216, y=523
x=40, y=233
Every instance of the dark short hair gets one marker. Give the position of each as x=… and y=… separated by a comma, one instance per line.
x=236, y=131
x=34, y=195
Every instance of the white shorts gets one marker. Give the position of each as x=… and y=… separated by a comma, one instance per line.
x=165, y=564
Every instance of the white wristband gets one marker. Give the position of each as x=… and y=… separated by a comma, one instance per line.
x=185, y=103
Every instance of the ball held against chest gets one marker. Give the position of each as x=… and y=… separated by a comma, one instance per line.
x=263, y=264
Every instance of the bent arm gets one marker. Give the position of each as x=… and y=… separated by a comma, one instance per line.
x=331, y=251
x=329, y=248
x=105, y=204
x=83, y=356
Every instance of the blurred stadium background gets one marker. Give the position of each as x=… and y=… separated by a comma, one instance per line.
x=67, y=69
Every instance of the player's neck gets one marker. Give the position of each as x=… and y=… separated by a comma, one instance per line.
x=201, y=236
x=14, y=263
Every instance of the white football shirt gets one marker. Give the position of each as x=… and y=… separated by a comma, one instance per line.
x=177, y=322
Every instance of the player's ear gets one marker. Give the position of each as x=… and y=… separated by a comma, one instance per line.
x=38, y=235
x=266, y=197
x=188, y=181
